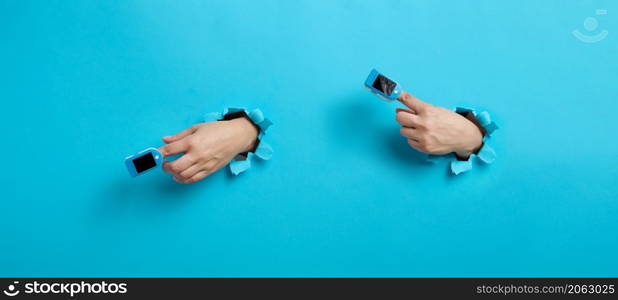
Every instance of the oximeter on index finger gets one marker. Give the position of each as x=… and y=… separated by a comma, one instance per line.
x=382, y=86
x=143, y=161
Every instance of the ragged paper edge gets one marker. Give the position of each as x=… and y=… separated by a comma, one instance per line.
x=487, y=154
x=239, y=166
x=263, y=151
x=460, y=166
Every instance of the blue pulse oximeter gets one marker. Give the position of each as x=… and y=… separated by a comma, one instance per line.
x=143, y=161
x=382, y=86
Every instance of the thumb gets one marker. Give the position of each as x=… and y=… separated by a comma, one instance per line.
x=412, y=102
x=180, y=135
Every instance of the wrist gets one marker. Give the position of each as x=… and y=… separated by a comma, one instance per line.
x=247, y=133
x=474, y=142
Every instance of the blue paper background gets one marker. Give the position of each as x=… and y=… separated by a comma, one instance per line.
x=85, y=83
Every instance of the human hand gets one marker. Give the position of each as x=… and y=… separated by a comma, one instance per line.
x=437, y=130
x=207, y=147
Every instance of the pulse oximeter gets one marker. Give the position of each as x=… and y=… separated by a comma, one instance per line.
x=382, y=86
x=143, y=161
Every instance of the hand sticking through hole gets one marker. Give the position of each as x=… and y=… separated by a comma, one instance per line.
x=207, y=147
x=437, y=130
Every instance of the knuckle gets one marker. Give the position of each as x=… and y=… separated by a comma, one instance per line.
x=190, y=159
x=422, y=138
x=399, y=117
x=420, y=123
x=423, y=148
x=405, y=131
x=430, y=148
x=210, y=167
x=191, y=144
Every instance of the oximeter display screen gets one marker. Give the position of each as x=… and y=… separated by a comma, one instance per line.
x=144, y=162
x=384, y=85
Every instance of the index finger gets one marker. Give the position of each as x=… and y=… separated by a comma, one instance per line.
x=412, y=102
